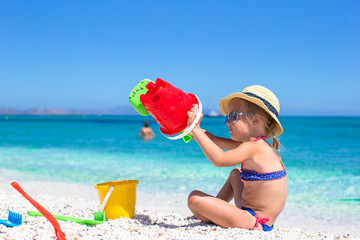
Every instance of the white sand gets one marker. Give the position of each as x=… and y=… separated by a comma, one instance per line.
x=156, y=218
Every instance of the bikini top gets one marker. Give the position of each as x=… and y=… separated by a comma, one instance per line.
x=249, y=175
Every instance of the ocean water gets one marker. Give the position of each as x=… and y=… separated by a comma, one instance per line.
x=321, y=155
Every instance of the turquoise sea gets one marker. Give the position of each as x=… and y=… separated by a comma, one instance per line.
x=321, y=155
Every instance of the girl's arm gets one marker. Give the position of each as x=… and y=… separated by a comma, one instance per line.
x=223, y=143
x=212, y=148
x=216, y=155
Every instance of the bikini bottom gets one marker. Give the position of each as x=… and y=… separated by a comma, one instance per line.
x=262, y=221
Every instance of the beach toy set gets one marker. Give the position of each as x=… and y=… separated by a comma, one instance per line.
x=168, y=105
x=117, y=200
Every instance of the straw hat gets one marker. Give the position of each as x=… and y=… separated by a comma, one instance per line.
x=260, y=96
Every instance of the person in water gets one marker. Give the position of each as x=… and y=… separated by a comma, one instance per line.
x=146, y=132
x=259, y=185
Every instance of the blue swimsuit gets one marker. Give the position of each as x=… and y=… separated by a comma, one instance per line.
x=249, y=175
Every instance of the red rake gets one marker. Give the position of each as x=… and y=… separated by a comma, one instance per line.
x=59, y=234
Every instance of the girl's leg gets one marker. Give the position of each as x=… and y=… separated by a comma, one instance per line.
x=212, y=209
x=232, y=188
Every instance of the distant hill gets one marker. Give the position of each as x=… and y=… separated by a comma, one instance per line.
x=120, y=110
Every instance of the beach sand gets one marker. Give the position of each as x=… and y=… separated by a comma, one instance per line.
x=156, y=217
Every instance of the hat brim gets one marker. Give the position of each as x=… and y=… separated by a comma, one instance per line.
x=224, y=105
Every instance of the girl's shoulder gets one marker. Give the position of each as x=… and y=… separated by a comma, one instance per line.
x=254, y=146
x=249, y=149
x=264, y=158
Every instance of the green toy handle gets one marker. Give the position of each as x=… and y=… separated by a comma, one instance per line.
x=186, y=138
x=58, y=217
x=71, y=219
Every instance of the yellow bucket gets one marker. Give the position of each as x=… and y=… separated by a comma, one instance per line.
x=121, y=202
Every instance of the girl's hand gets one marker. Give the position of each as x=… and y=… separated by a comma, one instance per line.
x=191, y=117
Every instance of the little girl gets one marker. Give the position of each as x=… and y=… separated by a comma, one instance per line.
x=259, y=186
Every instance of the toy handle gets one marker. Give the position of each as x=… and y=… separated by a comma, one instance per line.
x=59, y=234
x=189, y=129
x=106, y=198
x=58, y=217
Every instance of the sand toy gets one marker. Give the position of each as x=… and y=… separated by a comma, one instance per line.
x=99, y=218
x=59, y=234
x=14, y=220
x=117, y=198
x=168, y=105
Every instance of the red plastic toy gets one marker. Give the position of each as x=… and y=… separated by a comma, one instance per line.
x=167, y=104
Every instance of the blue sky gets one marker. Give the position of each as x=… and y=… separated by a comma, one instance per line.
x=91, y=54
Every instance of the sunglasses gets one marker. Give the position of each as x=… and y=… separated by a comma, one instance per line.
x=233, y=117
